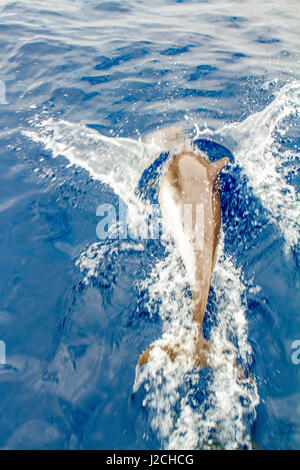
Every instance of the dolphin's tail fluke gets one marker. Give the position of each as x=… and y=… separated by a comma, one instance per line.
x=200, y=356
x=144, y=357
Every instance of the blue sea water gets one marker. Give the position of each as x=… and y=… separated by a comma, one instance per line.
x=83, y=85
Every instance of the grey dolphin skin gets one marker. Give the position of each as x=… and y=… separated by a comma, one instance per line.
x=190, y=204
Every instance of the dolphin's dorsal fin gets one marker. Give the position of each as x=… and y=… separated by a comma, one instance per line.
x=214, y=168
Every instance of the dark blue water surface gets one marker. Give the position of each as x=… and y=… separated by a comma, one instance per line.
x=124, y=69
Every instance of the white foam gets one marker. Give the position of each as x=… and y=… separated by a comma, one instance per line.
x=192, y=427
x=178, y=419
x=257, y=151
x=118, y=162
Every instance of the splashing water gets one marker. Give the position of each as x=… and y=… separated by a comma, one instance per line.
x=192, y=409
x=258, y=151
x=222, y=418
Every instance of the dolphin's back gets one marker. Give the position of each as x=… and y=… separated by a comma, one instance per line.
x=190, y=204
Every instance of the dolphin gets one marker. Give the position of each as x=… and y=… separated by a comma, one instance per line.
x=190, y=204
